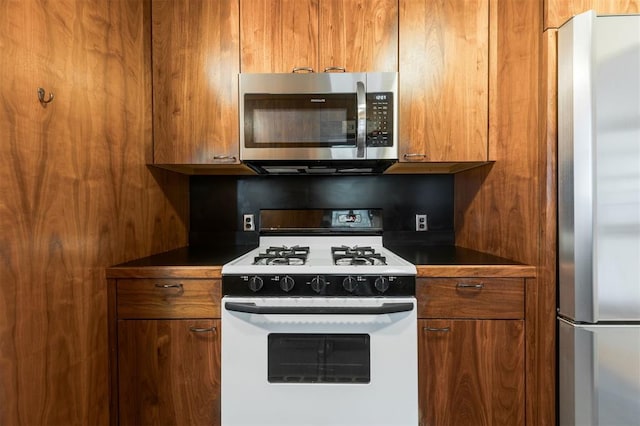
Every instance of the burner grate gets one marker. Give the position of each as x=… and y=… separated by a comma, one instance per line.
x=345, y=255
x=296, y=255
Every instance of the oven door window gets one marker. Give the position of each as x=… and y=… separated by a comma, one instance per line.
x=319, y=358
x=287, y=121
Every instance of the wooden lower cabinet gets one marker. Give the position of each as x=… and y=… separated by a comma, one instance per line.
x=165, y=351
x=169, y=372
x=471, y=353
x=471, y=372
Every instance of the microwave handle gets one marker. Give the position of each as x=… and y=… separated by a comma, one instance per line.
x=362, y=119
x=385, y=308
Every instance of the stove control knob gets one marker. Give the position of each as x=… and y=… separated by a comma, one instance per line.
x=318, y=284
x=287, y=283
x=350, y=284
x=255, y=283
x=381, y=284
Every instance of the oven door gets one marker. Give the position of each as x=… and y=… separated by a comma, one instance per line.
x=319, y=361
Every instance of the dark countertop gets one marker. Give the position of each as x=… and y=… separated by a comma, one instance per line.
x=416, y=254
x=190, y=256
x=446, y=255
x=436, y=261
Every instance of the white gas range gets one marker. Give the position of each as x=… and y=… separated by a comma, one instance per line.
x=320, y=329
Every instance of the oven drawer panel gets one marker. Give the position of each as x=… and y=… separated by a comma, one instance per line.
x=168, y=298
x=484, y=298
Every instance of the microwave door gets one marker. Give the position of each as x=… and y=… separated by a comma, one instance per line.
x=298, y=124
x=316, y=118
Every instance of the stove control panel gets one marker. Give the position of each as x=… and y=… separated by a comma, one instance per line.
x=319, y=285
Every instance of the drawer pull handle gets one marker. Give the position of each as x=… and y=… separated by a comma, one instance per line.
x=224, y=158
x=463, y=285
x=418, y=156
x=171, y=286
x=330, y=69
x=437, y=330
x=202, y=330
x=298, y=69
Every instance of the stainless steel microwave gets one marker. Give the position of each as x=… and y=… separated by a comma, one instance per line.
x=319, y=121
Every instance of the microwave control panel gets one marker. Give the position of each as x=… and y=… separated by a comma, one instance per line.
x=380, y=119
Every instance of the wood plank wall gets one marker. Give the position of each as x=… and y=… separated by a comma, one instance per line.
x=497, y=206
x=510, y=208
x=75, y=197
x=500, y=208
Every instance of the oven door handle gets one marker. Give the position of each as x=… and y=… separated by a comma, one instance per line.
x=385, y=308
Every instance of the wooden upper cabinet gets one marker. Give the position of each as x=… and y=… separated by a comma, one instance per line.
x=280, y=35
x=196, y=51
x=557, y=12
x=359, y=35
x=444, y=69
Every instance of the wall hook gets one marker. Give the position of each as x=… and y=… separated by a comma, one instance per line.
x=41, y=97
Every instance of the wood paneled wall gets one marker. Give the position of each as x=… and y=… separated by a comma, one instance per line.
x=497, y=206
x=557, y=12
x=508, y=208
x=75, y=197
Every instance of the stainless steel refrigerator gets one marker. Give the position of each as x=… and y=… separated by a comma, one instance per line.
x=599, y=220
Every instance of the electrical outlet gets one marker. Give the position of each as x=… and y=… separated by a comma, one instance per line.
x=421, y=222
x=247, y=222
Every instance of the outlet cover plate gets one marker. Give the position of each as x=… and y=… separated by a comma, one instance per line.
x=248, y=223
x=421, y=222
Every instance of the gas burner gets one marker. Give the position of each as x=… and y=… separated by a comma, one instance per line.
x=284, y=255
x=345, y=255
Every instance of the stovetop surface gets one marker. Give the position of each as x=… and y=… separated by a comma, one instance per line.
x=316, y=267
x=320, y=253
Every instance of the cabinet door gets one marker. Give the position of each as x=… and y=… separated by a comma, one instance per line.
x=443, y=87
x=278, y=35
x=359, y=35
x=471, y=372
x=195, y=81
x=169, y=372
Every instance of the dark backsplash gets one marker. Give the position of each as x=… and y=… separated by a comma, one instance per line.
x=218, y=203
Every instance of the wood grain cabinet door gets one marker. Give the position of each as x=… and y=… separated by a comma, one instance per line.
x=443, y=87
x=278, y=35
x=356, y=35
x=359, y=35
x=196, y=60
x=471, y=372
x=169, y=372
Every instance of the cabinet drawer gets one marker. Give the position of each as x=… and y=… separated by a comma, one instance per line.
x=163, y=298
x=484, y=298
